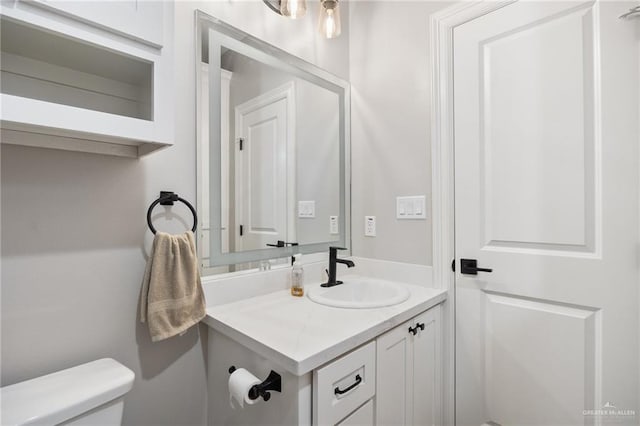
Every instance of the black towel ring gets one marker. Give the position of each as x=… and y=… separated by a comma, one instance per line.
x=167, y=198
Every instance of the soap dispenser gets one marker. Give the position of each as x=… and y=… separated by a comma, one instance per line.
x=297, y=276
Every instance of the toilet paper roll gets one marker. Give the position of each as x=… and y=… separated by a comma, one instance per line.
x=240, y=381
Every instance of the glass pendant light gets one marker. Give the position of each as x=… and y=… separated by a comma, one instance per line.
x=293, y=8
x=329, y=21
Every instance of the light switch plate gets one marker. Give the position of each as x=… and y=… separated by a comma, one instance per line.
x=306, y=209
x=413, y=207
x=333, y=225
x=370, y=226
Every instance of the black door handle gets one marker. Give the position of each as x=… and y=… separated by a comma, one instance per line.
x=281, y=243
x=470, y=267
x=338, y=391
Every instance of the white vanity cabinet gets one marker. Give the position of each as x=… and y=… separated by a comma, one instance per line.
x=408, y=390
x=87, y=76
x=338, y=366
x=404, y=384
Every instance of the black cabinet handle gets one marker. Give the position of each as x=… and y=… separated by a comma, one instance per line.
x=356, y=383
x=414, y=330
x=470, y=267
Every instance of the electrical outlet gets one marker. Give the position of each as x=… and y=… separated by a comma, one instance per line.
x=370, y=226
x=333, y=225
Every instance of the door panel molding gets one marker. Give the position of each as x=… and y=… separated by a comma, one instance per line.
x=572, y=228
x=577, y=354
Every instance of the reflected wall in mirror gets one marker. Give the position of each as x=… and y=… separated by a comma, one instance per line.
x=272, y=153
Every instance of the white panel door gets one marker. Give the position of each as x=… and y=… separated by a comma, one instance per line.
x=546, y=195
x=261, y=175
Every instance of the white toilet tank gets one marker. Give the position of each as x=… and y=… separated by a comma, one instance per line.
x=89, y=394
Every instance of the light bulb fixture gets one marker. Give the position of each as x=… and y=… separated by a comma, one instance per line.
x=293, y=9
x=329, y=20
x=329, y=16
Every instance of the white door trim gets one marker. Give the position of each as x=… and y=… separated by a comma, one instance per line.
x=287, y=92
x=442, y=173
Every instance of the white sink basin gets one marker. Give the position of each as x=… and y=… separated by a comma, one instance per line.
x=360, y=293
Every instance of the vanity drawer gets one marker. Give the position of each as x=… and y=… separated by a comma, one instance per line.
x=341, y=387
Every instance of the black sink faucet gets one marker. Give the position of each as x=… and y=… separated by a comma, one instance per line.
x=333, y=260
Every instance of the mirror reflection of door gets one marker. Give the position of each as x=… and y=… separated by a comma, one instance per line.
x=264, y=158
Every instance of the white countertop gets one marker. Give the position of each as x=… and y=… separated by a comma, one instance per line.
x=301, y=335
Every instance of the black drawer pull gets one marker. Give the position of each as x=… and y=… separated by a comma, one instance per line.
x=356, y=383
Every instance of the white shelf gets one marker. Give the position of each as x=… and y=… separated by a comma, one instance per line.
x=50, y=125
x=66, y=86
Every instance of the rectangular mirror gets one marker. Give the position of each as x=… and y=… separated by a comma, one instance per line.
x=273, y=153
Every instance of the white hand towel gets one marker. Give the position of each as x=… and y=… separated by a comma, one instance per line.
x=171, y=299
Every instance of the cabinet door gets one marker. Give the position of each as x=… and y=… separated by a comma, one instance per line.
x=394, y=384
x=408, y=385
x=135, y=19
x=426, y=371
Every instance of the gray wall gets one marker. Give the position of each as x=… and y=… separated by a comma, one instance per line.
x=318, y=159
x=74, y=240
x=390, y=92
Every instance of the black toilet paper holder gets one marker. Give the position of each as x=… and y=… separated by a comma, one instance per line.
x=273, y=382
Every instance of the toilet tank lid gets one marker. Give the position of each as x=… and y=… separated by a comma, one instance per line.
x=65, y=394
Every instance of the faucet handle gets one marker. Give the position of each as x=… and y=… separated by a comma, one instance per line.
x=337, y=248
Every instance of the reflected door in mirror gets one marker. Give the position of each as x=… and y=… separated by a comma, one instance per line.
x=264, y=210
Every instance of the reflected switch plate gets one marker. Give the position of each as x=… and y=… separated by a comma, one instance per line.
x=306, y=209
